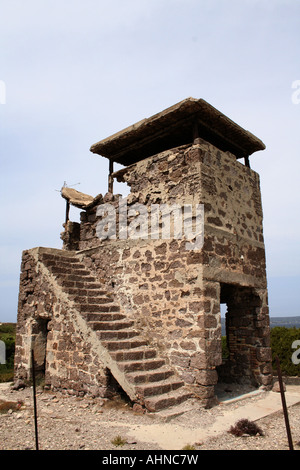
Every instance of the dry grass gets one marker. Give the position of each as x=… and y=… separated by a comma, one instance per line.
x=5, y=406
x=119, y=441
x=244, y=426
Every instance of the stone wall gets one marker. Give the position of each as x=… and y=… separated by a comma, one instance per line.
x=231, y=196
x=174, y=293
x=47, y=318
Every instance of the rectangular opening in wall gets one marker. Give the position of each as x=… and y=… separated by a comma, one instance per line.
x=225, y=352
x=238, y=311
x=120, y=186
x=39, y=345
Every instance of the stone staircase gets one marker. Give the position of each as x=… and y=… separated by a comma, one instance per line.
x=155, y=384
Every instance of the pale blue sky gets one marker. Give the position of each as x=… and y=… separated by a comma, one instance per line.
x=76, y=71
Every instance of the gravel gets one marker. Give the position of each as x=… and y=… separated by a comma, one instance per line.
x=67, y=422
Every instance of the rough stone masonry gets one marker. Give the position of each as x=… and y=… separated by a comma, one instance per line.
x=143, y=313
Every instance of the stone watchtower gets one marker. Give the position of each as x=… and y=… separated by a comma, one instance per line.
x=140, y=307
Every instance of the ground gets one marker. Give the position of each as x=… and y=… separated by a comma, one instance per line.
x=71, y=423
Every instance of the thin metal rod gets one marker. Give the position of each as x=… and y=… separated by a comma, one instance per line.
x=34, y=402
x=285, y=411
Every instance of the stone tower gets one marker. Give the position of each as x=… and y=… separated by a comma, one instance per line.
x=133, y=298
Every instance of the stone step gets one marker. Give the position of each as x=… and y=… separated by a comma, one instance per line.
x=133, y=354
x=55, y=260
x=80, y=285
x=92, y=300
x=158, y=388
x=166, y=400
x=139, y=377
x=65, y=263
x=105, y=308
x=103, y=316
x=111, y=325
x=87, y=292
x=124, y=344
x=97, y=307
x=67, y=270
x=88, y=285
x=145, y=365
x=116, y=334
x=75, y=278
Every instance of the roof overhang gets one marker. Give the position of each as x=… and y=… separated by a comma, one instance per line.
x=176, y=126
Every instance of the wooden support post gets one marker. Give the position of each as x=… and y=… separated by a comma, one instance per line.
x=247, y=162
x=67, y=211
x=195, y=131
x=110, y=178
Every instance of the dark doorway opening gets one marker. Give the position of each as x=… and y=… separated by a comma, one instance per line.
x=239, y=337
x=117, y=396
x=39, y=345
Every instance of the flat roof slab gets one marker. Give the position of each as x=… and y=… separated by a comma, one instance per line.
x=178, y=125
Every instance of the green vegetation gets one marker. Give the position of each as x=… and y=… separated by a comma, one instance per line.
x=282, y=339
x=225, y=350
x=119, y=441
x=189, y=447
x=7, y=335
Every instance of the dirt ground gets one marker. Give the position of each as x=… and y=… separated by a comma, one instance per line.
x=71, y=423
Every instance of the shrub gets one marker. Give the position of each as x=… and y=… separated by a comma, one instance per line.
x=8, y=334
x=118, y=441
x=244, y=426
x=282, y=339
x=225, y=350
x=6, y=406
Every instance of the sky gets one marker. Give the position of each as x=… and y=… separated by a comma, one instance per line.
x=73, y=72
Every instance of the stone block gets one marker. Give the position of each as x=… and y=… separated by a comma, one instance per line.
x=206, y=377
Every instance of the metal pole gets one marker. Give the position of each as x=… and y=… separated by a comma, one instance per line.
x=34, y=402
x=285, y=411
